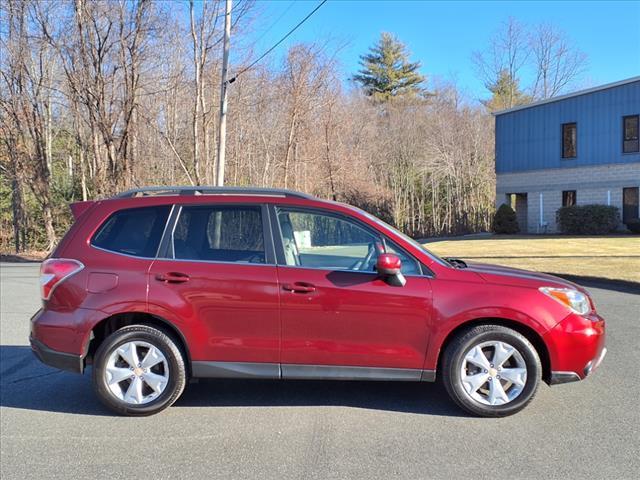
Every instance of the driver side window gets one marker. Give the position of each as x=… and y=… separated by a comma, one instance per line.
x=316, y=240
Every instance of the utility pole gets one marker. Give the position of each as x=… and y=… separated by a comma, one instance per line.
x=222, y=137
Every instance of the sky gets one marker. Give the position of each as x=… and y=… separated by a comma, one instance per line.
x=443, y=35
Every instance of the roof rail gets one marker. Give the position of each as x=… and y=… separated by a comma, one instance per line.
x=208, y=190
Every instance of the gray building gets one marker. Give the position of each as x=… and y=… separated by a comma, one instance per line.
x=582, y=148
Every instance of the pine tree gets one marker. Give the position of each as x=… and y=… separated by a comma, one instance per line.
x=506, y=93
x=387, y=72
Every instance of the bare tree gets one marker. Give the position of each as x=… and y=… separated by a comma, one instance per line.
x=134, y=28
x=305, y=80
x=98, y=95
x=102, y=59
x=26, y=110
x=205, y=36
x=557, y=64
x=506, y=54
x=541, y=55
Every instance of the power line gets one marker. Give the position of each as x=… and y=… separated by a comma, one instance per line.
x=276, y=22
x=233, y=79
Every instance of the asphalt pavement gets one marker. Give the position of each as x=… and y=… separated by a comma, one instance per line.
x=52, y=425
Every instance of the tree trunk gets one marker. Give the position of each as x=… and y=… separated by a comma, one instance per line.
x=17, y=204
x=287, y=156
x=48, y=224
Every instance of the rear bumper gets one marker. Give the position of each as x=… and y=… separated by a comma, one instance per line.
x=64, y=330
x=57, y=340
x=61, y=360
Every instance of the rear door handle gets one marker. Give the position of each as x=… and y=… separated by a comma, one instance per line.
x=299, y=287
x=172, y=277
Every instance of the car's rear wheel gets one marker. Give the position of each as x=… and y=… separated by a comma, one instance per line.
x=491, y=370
x=138, y=370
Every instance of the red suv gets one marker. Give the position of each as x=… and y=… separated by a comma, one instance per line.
x=158, y=285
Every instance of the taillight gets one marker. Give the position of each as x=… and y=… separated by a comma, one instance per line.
x=54, y=271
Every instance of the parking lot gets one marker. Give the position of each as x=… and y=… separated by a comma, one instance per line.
x=52, y=425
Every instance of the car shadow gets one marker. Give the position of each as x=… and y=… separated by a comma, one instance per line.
x=405, y=397
x=27, y=384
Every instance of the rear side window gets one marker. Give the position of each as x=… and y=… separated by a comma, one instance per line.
x=219, y=234
x=134, y=231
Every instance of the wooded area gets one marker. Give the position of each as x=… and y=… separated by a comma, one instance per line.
x=97, y=97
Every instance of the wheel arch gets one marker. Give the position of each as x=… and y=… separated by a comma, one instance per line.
x=528, y=332
x=110, y=324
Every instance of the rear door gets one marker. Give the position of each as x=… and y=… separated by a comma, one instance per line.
x=217, y=280
x=336, y=311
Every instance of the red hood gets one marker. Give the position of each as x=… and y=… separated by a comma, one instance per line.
x=499, y=274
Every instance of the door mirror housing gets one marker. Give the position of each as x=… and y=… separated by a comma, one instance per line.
x=388, y=264
x=389, y=267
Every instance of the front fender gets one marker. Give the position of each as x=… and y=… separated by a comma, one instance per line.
x=458, y=303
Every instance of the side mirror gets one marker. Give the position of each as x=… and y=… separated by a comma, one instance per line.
x=389, y=266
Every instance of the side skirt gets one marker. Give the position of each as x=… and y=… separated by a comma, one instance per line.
x=235, y=370
x=308, y=372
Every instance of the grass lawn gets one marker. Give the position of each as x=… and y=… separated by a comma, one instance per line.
x=605, y=257
x=609, y=257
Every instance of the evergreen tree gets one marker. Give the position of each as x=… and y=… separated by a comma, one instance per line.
x=505, y=220
x=506, y=93
x=387, y=72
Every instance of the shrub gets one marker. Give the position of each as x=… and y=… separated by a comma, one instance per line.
x=588, y=219
x=634, y=225
x=505, y=220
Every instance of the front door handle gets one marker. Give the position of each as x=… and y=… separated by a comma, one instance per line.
x=299, y=287
x=172, y=277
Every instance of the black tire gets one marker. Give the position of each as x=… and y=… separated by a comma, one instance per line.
x=167, y=346
x=452, y=363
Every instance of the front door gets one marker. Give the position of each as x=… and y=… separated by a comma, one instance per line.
x=336, y=311
x=222, y=280
x=630, y=202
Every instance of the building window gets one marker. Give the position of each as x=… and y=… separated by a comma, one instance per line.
x=630, y=143
x=569, y=140
x=568, y=198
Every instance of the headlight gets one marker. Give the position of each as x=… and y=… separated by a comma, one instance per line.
x=574, y=300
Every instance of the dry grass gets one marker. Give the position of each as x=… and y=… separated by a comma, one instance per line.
x=610, y=257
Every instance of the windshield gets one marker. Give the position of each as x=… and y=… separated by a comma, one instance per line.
x=406, y=237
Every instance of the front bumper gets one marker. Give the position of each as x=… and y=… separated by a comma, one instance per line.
x=61, y=360
x=576, y=347
x=567, y=377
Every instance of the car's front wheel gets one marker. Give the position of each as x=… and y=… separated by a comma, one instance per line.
x=491, y=370
x=138, y=370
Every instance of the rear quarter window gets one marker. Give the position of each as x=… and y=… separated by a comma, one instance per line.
x=133, y=231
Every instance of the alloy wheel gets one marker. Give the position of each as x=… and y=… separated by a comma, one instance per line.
x=493, y=373
x=136, y=372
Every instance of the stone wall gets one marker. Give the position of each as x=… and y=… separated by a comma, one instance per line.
x=601, y=185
